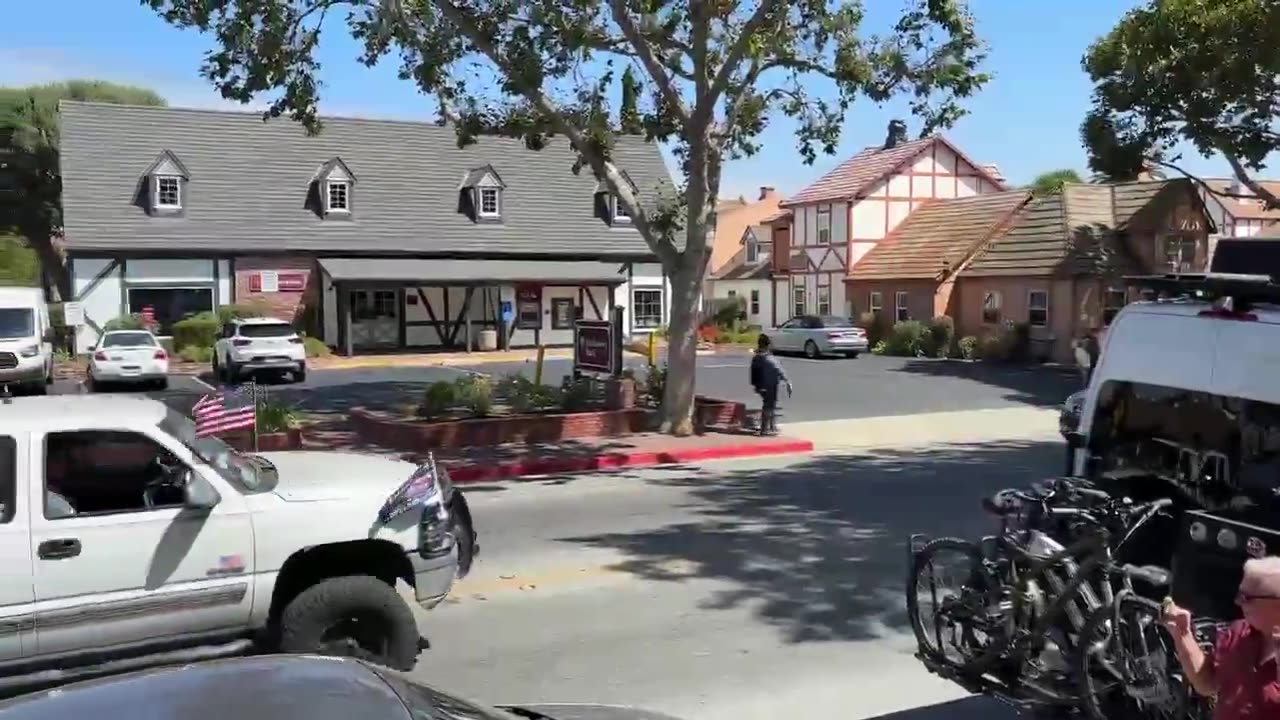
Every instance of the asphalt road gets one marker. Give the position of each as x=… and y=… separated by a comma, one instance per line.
x=744, y=590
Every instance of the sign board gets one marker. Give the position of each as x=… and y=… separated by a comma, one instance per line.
x=292, y=282
x=273, y=281
x=269, y=281
x=72, y=314
x=597, y=346
x=529, y=307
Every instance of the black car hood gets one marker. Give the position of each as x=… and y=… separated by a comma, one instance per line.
x=576, y=711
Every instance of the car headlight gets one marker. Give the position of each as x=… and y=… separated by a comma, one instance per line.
x=30, y=351
x=433, y=530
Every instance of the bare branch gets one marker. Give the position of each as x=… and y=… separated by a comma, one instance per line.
x=1268, y=198
x=707, y=103
x=657, y=72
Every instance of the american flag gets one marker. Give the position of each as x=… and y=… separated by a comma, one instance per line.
x=225, y=410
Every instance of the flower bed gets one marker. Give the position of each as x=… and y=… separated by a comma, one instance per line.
x=290, y=439
x=412, y=434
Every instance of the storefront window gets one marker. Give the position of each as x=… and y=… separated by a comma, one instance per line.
x=646, y=308
x=169, y=305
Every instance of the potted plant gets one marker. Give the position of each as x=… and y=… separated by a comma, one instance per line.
x=278, y=428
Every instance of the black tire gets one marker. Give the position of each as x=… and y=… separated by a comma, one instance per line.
x=162, y=384
x=1103, y=696
x=811, y=349
x=218, y=373
x=853, y=355
x=300, y=375
x=352, y=616
x=232, y=373
x=39, y=388
x=929, y=638
x=464, y=539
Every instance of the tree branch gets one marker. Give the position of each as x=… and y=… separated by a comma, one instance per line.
x=707, y=103
x=1268, y=198
x=666, y=86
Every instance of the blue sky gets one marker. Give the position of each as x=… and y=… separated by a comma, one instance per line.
x=1025, y=121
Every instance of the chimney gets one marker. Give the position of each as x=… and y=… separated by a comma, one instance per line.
x=897, y=134
x=766, y=192
x=994, y=170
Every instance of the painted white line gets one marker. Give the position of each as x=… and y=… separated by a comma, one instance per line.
x=200, y=381
x=725, y=365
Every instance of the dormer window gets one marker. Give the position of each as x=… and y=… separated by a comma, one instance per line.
x=337, y=196
x=480, y=195
x=620, y=214
x=168, y=192
x=164, y=185
x=753, y=251
x=333, y=186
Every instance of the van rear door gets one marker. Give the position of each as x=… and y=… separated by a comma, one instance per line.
x=1246, y=362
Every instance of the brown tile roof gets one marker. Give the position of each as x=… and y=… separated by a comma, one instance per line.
x=746, y=271
x=781, y=214
x=938, y=236
x=1069, y=233
x=1245, y=208
x=869, y=166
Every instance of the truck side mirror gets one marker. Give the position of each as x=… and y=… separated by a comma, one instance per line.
x=1077, y=440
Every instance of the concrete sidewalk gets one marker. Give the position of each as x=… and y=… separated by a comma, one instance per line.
x=965, y=426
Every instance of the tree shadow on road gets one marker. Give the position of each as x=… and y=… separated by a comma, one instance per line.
x=817, y=549
x=1042, y=385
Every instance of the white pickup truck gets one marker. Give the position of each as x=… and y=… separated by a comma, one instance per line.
x=126, y=541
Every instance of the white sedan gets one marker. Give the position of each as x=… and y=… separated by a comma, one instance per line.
x=129, y=356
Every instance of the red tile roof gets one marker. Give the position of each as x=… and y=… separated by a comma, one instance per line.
x=1244, y=208
x=856, y=175
x=938, y=236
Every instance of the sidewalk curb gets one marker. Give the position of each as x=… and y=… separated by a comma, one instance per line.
x=609, y=461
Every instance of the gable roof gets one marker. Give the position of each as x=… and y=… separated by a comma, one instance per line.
x=760, y=232
x=746, y=271
x=858, y=174
x=938, y=236
x=475, y=175
x=1244, y=208
x=1075, y=232
x=166, y=157
x=334, y=163
x=253, y=179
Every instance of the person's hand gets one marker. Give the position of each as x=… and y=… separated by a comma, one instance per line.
x=1177, y=619
x=788, y=389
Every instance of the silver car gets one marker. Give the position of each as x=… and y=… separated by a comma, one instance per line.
x=816, y=336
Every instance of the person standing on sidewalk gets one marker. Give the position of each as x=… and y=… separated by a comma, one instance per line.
x=766, y=375
x=1242, y=671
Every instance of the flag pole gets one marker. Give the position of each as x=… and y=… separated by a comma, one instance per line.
x=253, y=390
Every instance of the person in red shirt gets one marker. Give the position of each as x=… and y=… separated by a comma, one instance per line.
x=1241, y=671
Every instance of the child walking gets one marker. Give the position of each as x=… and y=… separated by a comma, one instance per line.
x=766, y=375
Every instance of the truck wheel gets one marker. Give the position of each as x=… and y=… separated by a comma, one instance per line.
x=352, y=616
x=465, y=540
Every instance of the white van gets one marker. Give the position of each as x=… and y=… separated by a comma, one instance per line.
x=26, y=340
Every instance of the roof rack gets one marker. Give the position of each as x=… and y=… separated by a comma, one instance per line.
x=1242, y=291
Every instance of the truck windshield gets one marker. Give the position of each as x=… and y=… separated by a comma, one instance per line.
x=250, y=474
x=17, y=323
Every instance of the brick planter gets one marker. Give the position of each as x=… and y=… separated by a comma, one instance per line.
x=417, y=435
x=290, y=439
x=718, y=414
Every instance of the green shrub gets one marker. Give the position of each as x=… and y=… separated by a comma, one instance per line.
x=274, y=416
x=655, y=384
x=124, y=322
x=438, y=399
x=576, y=395
x=968, y=347
x=1009, y=343
x=196, y=354
x=475, y=392
x=518, y=391
x=880, y=348
x=196, y=331
x=227, y=313
x=876, y=325
x=315, y=347
x=941, y=335
x=729, y=312
x=909, y=338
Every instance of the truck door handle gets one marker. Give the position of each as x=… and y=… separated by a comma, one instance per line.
x=59, y=549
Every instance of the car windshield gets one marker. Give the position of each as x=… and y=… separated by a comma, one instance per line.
x=128, y=339
x=266, y=330
x=831, y=321
x=17, y=323
x=248, y=473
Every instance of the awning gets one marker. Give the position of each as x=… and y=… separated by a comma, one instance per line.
x=472, y=272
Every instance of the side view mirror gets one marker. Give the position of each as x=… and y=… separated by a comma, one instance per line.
x=198, y=494
x=1076, y=439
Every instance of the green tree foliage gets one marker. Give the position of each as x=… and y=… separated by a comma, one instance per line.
x=30, y=178
x=18, y=264
x=1050, y=183
x=1202, y=71
x=711, y=75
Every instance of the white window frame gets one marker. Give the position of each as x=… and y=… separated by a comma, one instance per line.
x=1031, y=307
x=999, y=307
x=824, y=218
x=635, y=316
x=496, y=194
x=901, y=309
x=754, y=307
x=753, y=251
x=875, y=302
x=618, y=214
x=799, y=301
x=824, y=290
x=329, y=187
x=155, y=192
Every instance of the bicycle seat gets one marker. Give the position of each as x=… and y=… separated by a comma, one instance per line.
x=1153, y=575
x=1003, y=502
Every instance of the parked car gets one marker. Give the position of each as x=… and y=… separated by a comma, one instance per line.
x=26, y=340
x=280, y=687
x=129, y=539
x=818, y=335
x=250, y=345
x=128, y=356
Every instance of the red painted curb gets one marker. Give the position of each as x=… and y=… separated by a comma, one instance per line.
x=608, y=461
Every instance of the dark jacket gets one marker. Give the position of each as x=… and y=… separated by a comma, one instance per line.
x=766, y=372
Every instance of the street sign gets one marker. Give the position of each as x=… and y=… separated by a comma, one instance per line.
x=72, y=314
x=597, y=345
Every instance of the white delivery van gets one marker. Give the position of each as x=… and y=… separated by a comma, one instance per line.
x=26, y=340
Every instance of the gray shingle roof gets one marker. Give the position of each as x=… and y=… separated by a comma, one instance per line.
x=249, y=183
x=444, y=272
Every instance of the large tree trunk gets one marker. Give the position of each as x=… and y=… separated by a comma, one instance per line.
x=682, y=349
x=53, y=267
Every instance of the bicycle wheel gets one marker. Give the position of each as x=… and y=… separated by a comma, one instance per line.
x=950, y=576
x=1126, y=664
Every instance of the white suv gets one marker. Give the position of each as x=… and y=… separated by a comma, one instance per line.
x=249, y=345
